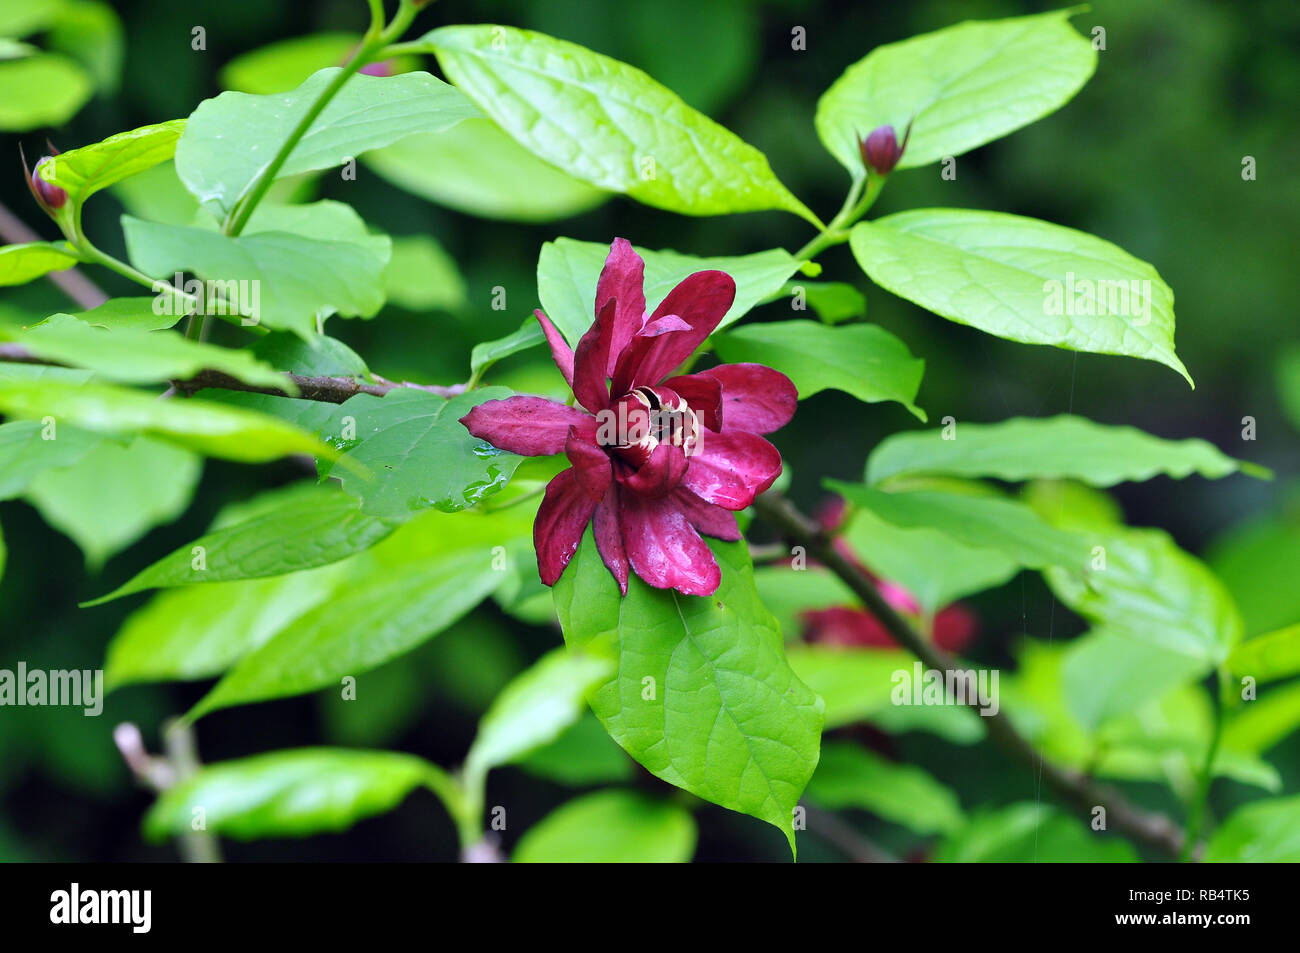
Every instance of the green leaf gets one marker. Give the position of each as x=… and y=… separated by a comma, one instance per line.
x=703, y=697
x=83, y=172
x=367, y=113
x=29, y=447
x=610, y=827
x=1061, y=447
x=1270, y=656
x=567, y=272
x=489, y=352
x=533, y=710
x=475, y=168
x=382, y=614
x=1030, y=833
x=91, y=33
x=292, y=793
x=1260, y=832
x=42, y=90
x=860, y=359
x=1256, y=561
x=277, y=278
x=1151, y=590
x=20, y=264
x=960, y=87
x=787, y=592
x=207, y=428
x=308, y=530
x=926, y=562
x=132, y=314
x=1107, y=673
x=850, y=776
x=979, y=522
x=1022, y=279
x=129, y=356
x=114, y=494
x=854, y=683
x=20, y=19
x=1258, y=725
x=423, y=277
x=198, y=632
x=418, y=451
x=582, y=755
x=834, y=301
x=607, y=123
x=318, y=356
x=281, y=66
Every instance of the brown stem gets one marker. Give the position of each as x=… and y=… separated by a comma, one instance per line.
x=1148, y=828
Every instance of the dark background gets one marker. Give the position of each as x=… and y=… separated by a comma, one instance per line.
x=1148, y=156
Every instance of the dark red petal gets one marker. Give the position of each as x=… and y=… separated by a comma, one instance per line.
x=701, y=300
x=754, y=397
x=844, y=626
x=622, y=280
x=561, y=353
x=954, y=627
x=561, y=520
x=625, y=371
x=590, y=463
x=532, y=426
x=703, y=395
x=705, y=517
x=659, y=475
x=731, y=468
x=664, y=548
x=609, y=537
x=590, y=379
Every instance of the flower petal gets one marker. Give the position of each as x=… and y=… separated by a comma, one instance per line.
x=532, y=426
x=731, y=468
x=561, y=520
x=561, y=353
x=703, y=395
x=754, y=397
x=621, y=280
x=664, y=548
x=591, y=464
x=701, y=300
x=590, y=379
x=609, y=537
x=705, y=517
x=659, y=475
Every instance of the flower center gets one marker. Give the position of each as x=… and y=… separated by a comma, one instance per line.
x=638, y=422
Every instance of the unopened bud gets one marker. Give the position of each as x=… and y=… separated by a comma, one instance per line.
x=49, y=196
x=881, y=150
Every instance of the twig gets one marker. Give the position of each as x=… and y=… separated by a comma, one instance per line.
x=1151, y=829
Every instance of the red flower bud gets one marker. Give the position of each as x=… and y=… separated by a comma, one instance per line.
x=881, y=150
x=50, y=196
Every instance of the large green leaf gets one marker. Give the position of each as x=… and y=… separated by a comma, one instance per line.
x=90, y=32
x=383, y=613
x=567, y=272
x=1061, y=447
x=1258, y=725
x=134, y=314
x=581, y=756
x=978, y=522
x=367, y=113
x=281, y=66
x=418, y=451
x=1270, y=656
x=1022, y=279
x=864, y=360
x=29, y=447
x=477, y=169
x=42, y=90
x=421, y=276
x=293, y=793
x=703, y=696
x=1029, y=833
x=607, y=123
x=1260, y=832
x=533, y=710
x=208, y=428
x=308, y=530
x=114, y=494
x=959, y=87
x=1107, y=673
x=279, y=276
x=611, y=826
x=20, y=264
x=83, y=172
x=129, y=356
x=849, y=776
x=1256, y=560
x=197, y=632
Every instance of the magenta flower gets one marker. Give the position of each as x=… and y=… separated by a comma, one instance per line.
x=656, y=460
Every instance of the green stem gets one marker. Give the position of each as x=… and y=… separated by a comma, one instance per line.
x=1196, y=813
x=375, y=40
x=855, y=206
